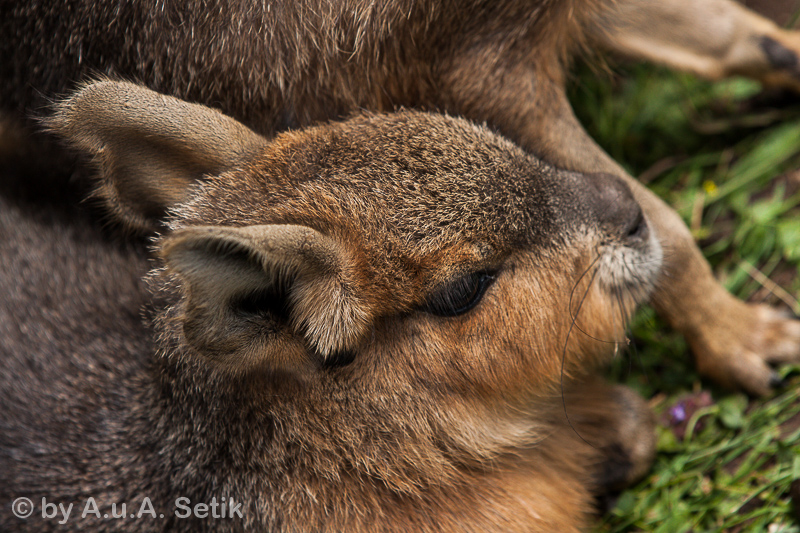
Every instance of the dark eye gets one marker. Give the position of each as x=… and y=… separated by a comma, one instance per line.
x=459, y=296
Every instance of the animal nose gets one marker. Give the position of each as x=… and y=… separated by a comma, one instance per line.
x=615, y=209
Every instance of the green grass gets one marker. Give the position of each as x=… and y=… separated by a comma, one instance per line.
x=725, y=155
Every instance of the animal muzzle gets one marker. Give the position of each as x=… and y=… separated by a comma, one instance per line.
x=615, y=210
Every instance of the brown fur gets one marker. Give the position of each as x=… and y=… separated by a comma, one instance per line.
x=281, y=65
x=435, y=424
x=264, y=63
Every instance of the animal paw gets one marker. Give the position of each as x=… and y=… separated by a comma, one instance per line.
x=782, y=51
x=619, y=426
x=740, y=349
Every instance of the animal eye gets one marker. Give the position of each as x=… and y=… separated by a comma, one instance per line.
x=459, y=296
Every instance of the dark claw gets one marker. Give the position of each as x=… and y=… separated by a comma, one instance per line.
x=780, y=57
x=776, y=382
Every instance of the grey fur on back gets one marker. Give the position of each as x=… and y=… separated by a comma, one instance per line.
x=74, y=350
x=270, y=64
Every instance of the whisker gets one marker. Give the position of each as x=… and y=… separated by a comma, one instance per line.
x=569, y=332
x=618, y=296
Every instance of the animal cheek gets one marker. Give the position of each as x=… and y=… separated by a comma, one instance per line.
x=579, y=320
x=514, y=346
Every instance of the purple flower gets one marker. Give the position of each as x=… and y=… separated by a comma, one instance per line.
x=678, y=413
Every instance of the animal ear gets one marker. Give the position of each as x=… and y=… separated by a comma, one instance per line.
x=150, y=148
x=249, y=288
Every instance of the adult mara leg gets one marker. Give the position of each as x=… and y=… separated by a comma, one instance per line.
x=711, y=38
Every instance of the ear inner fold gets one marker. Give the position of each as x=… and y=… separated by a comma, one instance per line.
x=324, y=299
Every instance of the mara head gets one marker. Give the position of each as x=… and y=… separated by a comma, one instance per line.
x=408, y=263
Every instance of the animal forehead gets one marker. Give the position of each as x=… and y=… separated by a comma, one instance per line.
x=420, y=154
x=414, y=177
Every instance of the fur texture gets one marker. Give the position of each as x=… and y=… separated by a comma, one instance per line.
x=317, y=385
x=434, y=422
x=279, y=65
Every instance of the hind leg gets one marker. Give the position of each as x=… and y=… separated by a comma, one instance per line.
x=711, y=38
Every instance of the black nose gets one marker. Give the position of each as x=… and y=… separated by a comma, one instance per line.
x=614, y=207
x=637, y=228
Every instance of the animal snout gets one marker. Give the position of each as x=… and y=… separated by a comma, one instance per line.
x=615, y=208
